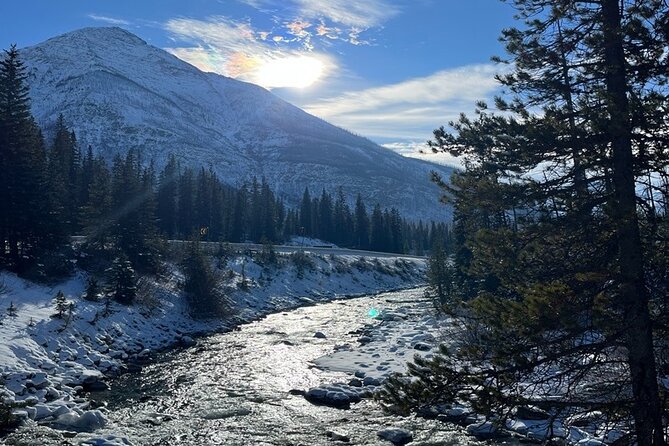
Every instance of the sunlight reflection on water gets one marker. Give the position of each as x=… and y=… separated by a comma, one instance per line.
x=233, y=388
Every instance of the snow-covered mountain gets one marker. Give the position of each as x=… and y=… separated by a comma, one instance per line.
x=117, y=92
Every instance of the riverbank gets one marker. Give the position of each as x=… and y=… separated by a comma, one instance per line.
x=383, y=347
x=234, y=388
x=49, y=365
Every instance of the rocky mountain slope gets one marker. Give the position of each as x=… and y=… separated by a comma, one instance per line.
x=117, y=92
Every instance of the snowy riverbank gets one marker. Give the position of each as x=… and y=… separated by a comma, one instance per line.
x=393, y=338
x=48, y=366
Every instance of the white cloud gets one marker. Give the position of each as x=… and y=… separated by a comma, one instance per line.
x=362, y=14
x=109, y=20
x=235, y=49
x=420, y=150
x=409, y=110
x=341, y=20
x=358, y=14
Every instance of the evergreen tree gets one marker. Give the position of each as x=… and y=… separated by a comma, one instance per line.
x=236, y=231
x=11, y=310
x=92, y=289
x=378, y=239
x=306, y=226
x=96, y=216
x=440, y=276
x=61, y=305
x=167, y=198
x=27, y=226
x=201, y=285
x=361, y=224
x=65, y=177
x=325, y=224
x=185, y=221
x=123, y=281
x=555, y=263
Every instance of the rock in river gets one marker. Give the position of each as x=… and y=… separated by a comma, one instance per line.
x=339, y=396
x=397, y=437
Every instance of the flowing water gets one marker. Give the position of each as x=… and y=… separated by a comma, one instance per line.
x=233, y=388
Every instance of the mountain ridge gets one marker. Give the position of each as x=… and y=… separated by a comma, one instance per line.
x=117, y=92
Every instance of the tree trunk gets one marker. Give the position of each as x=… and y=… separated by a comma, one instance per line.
x=634, y=297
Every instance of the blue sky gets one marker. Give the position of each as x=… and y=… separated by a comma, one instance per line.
x=391, y=70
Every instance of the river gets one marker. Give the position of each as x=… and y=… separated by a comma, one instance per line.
x=234, y=388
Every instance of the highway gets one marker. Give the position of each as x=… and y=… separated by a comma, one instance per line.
x=212, y=247
x=285, y=249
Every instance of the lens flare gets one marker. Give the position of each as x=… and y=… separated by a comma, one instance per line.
x=373, y=312
x=290, y=72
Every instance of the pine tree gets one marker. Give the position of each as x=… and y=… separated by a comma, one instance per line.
x=305, y=214
x=201, y=284
x=552, y=259
x=167, y=198
x=361, y=224
x=92, y=289
x=236, y=231
x=96, y=210
x=61, y=305
x=325, y=224
x=26, y=224
x=378, y=239
x=65, y=177
x=185, y=223
x=123, y=281
x=440, y=276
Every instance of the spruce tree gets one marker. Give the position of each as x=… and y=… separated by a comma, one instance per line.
x=27, y=225
x=60, y=304
x=552, y=260
x=167, y=198
x=123, y=281
x=378, y=239
x=361, y=224
x=305, y=213
x=440, y=277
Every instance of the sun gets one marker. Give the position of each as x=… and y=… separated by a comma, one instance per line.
x=290, y=72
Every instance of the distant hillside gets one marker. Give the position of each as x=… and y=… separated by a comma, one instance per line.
x=118, y=92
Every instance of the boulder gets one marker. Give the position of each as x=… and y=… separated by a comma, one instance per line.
x=531, y=413
x=38, y=381
x=364, y=340
x=484, y=431
x=41, y=411
x=333, y=396
x=187, y=341
x=369, y=381
x=109, y=440
x=91, y=381
x=397, y=437
x=334, y=436
x=320, y=335
x=88, y=421
x=422, y=346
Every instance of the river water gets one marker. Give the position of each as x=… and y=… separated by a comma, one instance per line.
x=233, y=388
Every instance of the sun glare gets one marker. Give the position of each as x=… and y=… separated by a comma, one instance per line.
x=290, y=72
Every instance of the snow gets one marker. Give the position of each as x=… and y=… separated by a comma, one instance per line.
x=308, y=241
x=117, y=93
x=49, y=366
x=385, y=347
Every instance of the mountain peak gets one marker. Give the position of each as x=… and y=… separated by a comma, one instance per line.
x=118, y=93
x=101, y=34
